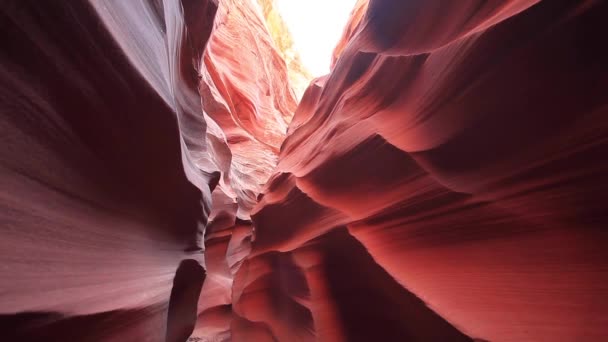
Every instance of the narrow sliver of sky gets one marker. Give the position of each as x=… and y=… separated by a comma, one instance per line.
x=315, y=26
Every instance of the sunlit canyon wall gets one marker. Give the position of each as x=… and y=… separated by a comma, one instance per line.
x=445, y=182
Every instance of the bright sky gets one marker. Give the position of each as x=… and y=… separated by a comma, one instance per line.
x=316, y=26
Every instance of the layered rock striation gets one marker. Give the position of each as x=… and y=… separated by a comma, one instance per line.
x=455, y=147
x=445, y=182
x=105, y=184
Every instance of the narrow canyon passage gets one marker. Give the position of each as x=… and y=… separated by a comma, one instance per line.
x=180, y=170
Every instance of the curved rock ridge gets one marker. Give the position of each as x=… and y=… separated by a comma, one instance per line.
x=248, y=102
x=247, y=99
x=445, y=182
x=449, y=169
x=132, y=149
x=105, y=172
x=356, y=15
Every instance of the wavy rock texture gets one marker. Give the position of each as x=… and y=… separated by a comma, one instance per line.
x=102, y=138
x=445, y=182
x=248, y=101
x=457, y=148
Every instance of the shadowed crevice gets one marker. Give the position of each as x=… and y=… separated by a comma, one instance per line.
x=182, y=314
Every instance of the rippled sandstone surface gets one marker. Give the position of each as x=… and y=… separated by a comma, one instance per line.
x=445, y=182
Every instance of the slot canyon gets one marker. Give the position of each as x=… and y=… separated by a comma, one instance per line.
x=171, y=170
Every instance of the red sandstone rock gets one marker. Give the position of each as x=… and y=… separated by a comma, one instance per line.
x=100, y=114
x=444, y=182
x=461, y=145
x=248, y=103
x=246, y=93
